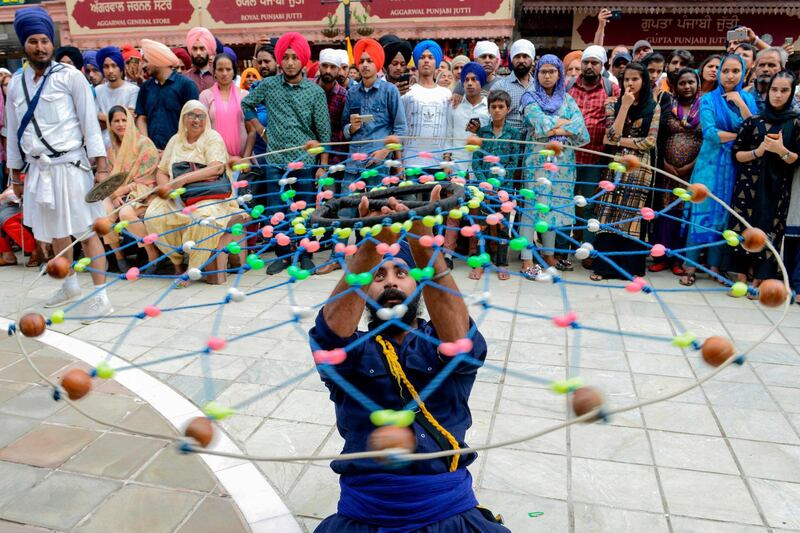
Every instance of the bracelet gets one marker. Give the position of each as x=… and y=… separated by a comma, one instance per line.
x=754, y=154
x=441, y=274
x=17, y=182
x=785, y=156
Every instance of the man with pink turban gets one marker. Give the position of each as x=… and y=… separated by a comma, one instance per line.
x=202, y=48
x=298, y=113
x=161, y=97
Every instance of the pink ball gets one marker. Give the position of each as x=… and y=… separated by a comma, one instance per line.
x=283, y=240
x=189, y=209
x=215, y=343
x=485, y=185
x=266, y=231
x=550, y=167
x=309, y=245
x=493, y=219
x=658, y=250
x=296, y=165
x=502, y=195
x=152, y=311
x=507, y=207
x=463, y=345
x=426, y=178
x=425, y=155
x=350, y=249
x=150, y=238
x=470, y=231
x=606, y=185
x=359, y=156
x=277, y=218
x=448, y=349
x=438, y=240
x=132, y=274
x=648, y=214
x=329, y=357
x=492, y=159
x=241, y=184
x=565, y=320
x=426, y=241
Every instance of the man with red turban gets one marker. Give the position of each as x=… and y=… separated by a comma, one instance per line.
x=202, y=48
x=298, y=113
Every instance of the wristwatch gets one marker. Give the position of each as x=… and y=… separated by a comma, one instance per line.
x=785, y=156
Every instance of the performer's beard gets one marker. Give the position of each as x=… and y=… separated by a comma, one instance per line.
x=408, y=318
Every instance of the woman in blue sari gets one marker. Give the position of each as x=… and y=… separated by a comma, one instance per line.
x=722, y=112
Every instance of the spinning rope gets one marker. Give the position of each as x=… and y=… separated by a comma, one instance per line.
x=480, y=204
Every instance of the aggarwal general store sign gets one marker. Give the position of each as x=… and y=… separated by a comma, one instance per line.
x=133, y=16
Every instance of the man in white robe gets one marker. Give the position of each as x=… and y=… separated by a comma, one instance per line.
x=54, y=154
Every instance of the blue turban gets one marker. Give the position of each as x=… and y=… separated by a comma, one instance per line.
x=230, y=52
x=473, y=68
x=90, y=58
x=33, y=21
x=405, y=254
x=432, y=47
x=113, y=53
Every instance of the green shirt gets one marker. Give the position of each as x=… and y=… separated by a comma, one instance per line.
x=296, y=114
x=509, y=153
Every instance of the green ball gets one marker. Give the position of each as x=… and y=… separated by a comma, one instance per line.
x=520, y=243
x=237, y=229
x=739, y=289
x=474, y=261
x=541, y=226
x=527, y=194
x=440, y=176
x=234, y=248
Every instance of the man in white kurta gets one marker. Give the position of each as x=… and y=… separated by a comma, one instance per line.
x=58, y=174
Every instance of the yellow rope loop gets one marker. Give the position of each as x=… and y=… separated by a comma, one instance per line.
x=397, y=371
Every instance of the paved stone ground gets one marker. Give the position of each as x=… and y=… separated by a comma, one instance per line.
x=722, y=458
x=61, y=471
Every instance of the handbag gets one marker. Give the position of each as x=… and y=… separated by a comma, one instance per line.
x=217, y=188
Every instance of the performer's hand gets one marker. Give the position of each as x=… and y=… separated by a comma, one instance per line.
x=378, y=156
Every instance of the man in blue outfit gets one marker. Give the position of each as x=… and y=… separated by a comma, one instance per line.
x=389, y=364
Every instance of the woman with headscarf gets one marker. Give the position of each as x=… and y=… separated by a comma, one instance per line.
x=722, y=112
x=135, y=155
x=766, y=148
x=223, y=101
x=196, y=142
x=249, y=77
x=631, y=129
x=551, y=115
x=679, y=143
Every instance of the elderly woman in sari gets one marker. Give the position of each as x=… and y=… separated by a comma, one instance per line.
x=197, y=144
x=133, y=154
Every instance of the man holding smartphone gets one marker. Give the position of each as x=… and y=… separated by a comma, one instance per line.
x=398, y=54
x=373, y=110
x=469, y=116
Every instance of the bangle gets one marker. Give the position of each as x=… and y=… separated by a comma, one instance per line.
x=16, y=182
x=441, y=274
x=754, y=154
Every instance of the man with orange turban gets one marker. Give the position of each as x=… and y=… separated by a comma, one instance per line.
x=202, y=48
x=372, y=48
x=298, y=113
x=161, y=97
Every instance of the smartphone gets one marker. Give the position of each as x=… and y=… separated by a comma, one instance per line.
x=616, y=14
x=788, y=40
x=366, y=119
x=406, y=77
x=773, y=136
x=738, y=35
x=473, y=123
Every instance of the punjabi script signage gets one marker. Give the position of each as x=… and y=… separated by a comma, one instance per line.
x=699, y=31
x=91, y=15
x=266, y=11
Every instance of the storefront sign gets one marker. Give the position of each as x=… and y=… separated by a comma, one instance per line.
x=426, y=8
x=666, y=31
x=264, y=12
x=91, y=15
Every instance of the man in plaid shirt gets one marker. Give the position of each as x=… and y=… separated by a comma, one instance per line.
x=590, y=91
x=336, y=96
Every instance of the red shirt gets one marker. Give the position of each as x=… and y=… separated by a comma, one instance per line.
x=336, y=99
x=592, y=103
x=202, y=80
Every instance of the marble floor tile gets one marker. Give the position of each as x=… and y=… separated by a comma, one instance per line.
x=528, y=473
x=611, y=443
x=517, y=509
x=598, y=519
x=682, y=524
x=779, y=500
x=692, y=452
x=755, y=425
x=626, y=486
x=768, y=460
x=695, y=494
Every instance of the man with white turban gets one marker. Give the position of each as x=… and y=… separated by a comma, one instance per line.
x=520, y=80
x=487, y=55
x=344, y=68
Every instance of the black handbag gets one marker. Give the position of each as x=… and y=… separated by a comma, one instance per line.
x=214, y=189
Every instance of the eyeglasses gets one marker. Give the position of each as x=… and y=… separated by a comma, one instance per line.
x=196, y=116
x=548, y=72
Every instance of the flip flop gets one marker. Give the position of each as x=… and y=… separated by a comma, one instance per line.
x=105, y=188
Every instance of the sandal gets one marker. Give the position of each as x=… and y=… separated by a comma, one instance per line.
x=327, y=269
x=688, y=279
x=4, y=263
x=531, y=273
x=678, y=270
x=476, y=274
x=503, y=274
x=564, y=265
x=597, y=277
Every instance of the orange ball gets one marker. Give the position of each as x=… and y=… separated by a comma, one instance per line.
x=201, y=430
x=699, y=192
x=555, y=146
x=717, y=350
x=772, y=293
x=388, y=437
x=754, y=240
x=103, y=226
x=630, y=161
x=163, y=191
x=474, y=140
x=392, y=139
x=585, y=400
x=58, y=267
x=77, y=383
x=32, y=324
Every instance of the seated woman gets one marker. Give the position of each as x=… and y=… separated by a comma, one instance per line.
x=135, y=155
x=194, y=143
